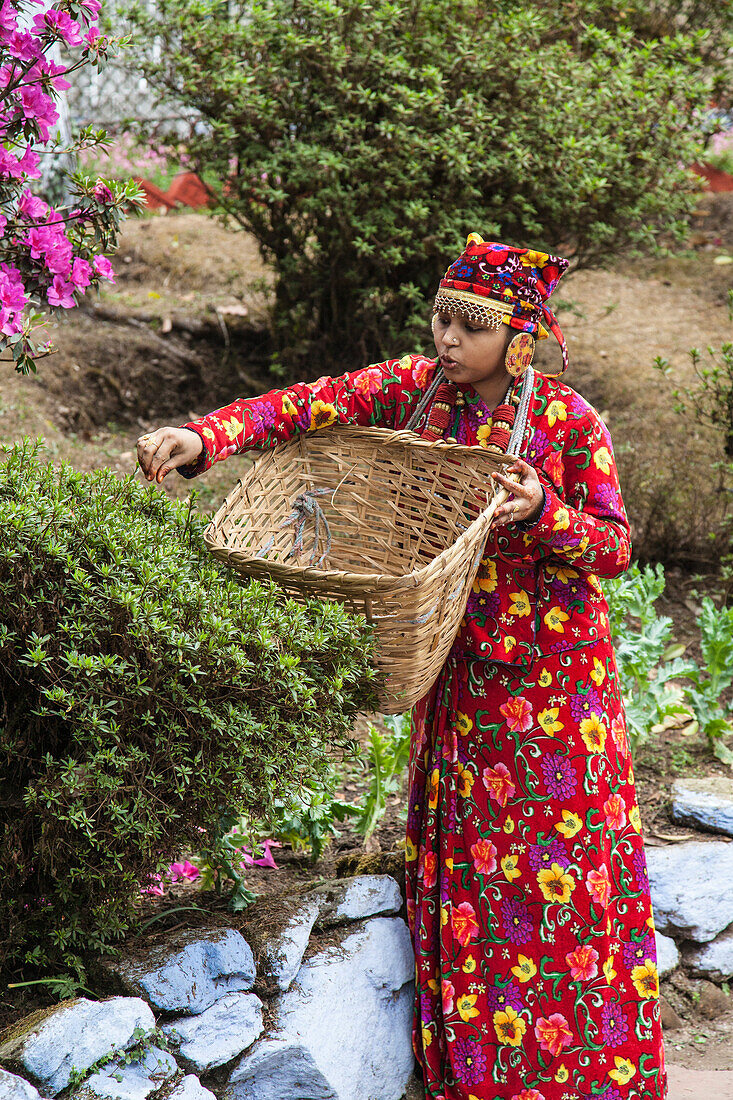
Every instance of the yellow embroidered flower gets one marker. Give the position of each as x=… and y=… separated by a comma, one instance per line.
x=554, y=619
x=465, y=782
x=548, y=720
x=555, y=884
x=609, y=973
x=598, y=675
x=556, y=410
x=593, y=732
x=563, y=573
x=509, y=642
x=635, y=818
x=562, y=1074
x=410, y=851
x=520, y=605
x=465, y=1005
x=509, y=1027
x=288, y=407
x=444, y=914
x=525, y=969
x=570, y=824
x=449, y=864
x=405, y=363
x=464, y=724
x=469, y=965
x=427, y=1037
x=434, y=781
x=209, y=434
x=322, y=414
x=482, y=435
x=433, y=984
x=508, y=825
x=623, y=1072
x=233, y=428
x=646, y=980
x=487, y=579
x=562, y=520
x=545, y=678
x=510, y=868
x=602, y=459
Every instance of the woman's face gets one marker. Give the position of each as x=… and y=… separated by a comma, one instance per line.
x=469, y=353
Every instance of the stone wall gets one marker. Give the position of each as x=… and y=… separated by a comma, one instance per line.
x=332, y=1018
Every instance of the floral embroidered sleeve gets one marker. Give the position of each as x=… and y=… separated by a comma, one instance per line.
x=583, y=519
x=383, y=394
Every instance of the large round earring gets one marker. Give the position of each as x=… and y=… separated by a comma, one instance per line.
x=519, y=353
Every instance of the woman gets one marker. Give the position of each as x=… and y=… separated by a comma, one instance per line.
x=528, y=897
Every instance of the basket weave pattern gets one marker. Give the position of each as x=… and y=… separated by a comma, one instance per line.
x=408, y=520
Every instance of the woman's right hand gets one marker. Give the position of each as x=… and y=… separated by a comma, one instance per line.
x=166, y=449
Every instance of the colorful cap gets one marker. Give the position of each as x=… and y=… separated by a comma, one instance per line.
x=494, y=284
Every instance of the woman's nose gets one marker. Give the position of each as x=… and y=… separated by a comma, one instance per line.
x=451, y=334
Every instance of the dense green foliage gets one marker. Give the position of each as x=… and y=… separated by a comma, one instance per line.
x=657, y=680
x=144, y=692
x=360, y=142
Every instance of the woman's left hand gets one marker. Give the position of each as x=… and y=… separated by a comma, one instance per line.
x=527, y=499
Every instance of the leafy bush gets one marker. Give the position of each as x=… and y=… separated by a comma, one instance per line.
x=360, y=142
x=145, y=692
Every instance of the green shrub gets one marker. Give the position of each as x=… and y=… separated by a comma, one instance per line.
x=145, y=691
x=360, y=142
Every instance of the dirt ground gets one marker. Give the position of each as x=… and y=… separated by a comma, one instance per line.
x=183, y=331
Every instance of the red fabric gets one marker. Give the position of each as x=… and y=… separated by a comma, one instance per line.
x=528, y=901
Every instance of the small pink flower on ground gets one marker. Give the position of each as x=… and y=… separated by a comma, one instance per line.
x=268, y=860
x=184, y=870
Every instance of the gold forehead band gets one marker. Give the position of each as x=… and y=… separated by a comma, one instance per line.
x=488, y=312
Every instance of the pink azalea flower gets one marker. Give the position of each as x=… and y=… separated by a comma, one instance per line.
x=32, y=206
x=58, y=23
x=29, y=164
x=21, y=45
x=81, y=273
x=61, y=293
x=103, y=268
x=102, y=193
x=8, y=17
x=3, y=223
x=9, y=164
x=184, y=870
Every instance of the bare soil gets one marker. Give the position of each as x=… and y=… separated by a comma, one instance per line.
x=184, y=330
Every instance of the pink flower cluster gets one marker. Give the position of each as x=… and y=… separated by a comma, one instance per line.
x=48, y=257
x=177, y=872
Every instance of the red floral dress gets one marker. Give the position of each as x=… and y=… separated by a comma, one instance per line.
x=528, y=897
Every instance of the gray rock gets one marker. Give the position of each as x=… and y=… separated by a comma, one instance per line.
x=668, y=957
x=219, y=1033
x=714, y=960
x=282, y=954
x=130, y=1082
x=16, y=1088
x=707, y=803
x=190, y=1088
x=690, y=888
x=342, y=1031
x=190, y=971
x=356, y=898
x=73, y=1036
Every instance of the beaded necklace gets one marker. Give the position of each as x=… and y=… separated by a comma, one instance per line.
x=449, y=400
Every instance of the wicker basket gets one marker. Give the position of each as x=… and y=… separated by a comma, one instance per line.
x=405, y=525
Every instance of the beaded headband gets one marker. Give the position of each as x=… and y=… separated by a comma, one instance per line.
x=477, y=310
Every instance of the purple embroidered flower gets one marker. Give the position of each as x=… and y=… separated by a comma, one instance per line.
x=414, y=815
x=477, y=414
x=544, y=855
x=303, y=419
x=638, y=950
x=445, y=886
x=582, y=706
x=560, y=777
x=611, y=1093
x=483, y=603
x=640, y=869
x=614, y=1025
x=263, y=415
x=568, y=591
x=469, y=1060
x=517, y=920
x=537, y=447
x=605, y=497
x=499, y=997
x=462, y=432
x=450, y=810
x=426, y=1007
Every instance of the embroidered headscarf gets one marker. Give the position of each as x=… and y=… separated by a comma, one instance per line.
x=492, y=283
